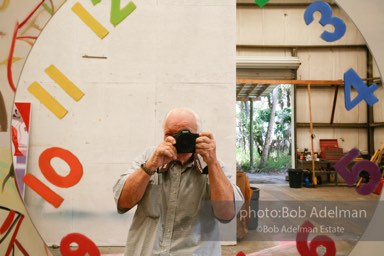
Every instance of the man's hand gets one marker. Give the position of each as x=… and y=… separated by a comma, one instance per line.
x=206, y=147
x=164, y=153
x=222, y=196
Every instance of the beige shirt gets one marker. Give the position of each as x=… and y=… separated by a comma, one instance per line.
x=175, y=216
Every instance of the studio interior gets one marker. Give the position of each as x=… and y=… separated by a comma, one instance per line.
x=289, y=90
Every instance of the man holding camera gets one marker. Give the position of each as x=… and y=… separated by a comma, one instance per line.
x=181, y=192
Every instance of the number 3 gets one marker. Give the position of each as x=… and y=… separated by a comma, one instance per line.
x=326, y=18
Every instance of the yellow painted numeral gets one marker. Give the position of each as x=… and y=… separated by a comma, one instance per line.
x=89, y=20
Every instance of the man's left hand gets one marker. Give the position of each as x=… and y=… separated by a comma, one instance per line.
x=206, y=147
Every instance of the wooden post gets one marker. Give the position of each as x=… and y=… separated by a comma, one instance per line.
x=334, y=104
x=251, y=134
x=314, y=179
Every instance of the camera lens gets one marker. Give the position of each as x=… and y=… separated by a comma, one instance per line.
x=185, y=141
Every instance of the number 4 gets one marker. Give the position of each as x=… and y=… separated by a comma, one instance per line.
x=352, y=79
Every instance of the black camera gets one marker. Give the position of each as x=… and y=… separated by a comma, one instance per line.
x=185, y=141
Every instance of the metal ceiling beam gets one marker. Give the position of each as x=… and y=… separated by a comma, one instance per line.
x=241, y=90
x=277, y=3
x=296, y=82
x=253, y=90
x=343, y=46
x=264, y=88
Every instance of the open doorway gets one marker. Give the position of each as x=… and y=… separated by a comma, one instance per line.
x=264, y=107
x=264, y=133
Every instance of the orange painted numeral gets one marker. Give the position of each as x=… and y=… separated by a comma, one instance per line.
x=71, y=179
x=43, y=190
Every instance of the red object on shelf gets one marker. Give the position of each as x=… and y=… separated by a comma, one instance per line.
x=379, y=187
x=328, y=143
x=329, y=149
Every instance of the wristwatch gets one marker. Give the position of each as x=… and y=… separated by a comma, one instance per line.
x=147, y=171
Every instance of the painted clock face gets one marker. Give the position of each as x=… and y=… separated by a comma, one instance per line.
x=100, y=88
x=80, y=96
x=95, y=105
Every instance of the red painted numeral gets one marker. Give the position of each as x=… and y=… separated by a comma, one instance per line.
x=311, y=250
x=43, y=190
x=73, y=177
x=85, y=246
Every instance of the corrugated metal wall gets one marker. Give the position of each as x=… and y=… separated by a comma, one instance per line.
x=278, y=29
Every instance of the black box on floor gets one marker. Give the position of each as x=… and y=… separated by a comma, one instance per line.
x=295, y=178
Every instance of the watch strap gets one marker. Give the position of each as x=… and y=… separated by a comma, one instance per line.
x=146, y=170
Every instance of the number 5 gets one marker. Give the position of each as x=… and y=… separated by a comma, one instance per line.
x=326, y=18
x=351, y=177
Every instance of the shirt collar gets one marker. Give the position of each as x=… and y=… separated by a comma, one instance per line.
x=199, y=163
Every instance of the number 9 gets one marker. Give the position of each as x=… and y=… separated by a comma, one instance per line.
x=326, y=18
x=86, y=246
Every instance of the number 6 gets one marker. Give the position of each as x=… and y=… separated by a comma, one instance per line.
x=306, y=249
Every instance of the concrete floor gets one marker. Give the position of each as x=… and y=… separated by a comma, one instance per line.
x=255, y=243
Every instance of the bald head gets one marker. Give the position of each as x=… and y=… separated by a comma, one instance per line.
x=180, y=119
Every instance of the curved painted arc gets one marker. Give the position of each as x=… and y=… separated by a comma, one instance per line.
x=367, y=19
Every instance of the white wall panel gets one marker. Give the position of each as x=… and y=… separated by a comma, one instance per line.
x=346, y=138
x=379, y=137
x=378, y=108
x=322, y=102
x=330, y=64
x=286, y=26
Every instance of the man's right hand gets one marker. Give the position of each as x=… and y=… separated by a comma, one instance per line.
x=164, y=154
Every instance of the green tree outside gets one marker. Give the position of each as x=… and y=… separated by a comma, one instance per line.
x=279, y=153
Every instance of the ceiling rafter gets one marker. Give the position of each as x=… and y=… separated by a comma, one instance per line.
x=253, y=89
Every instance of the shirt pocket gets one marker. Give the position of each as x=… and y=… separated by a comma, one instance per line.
x=150, y=203
x=194, y=197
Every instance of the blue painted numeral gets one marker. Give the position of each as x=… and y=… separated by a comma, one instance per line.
x=326, y=19
x=352, y=79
